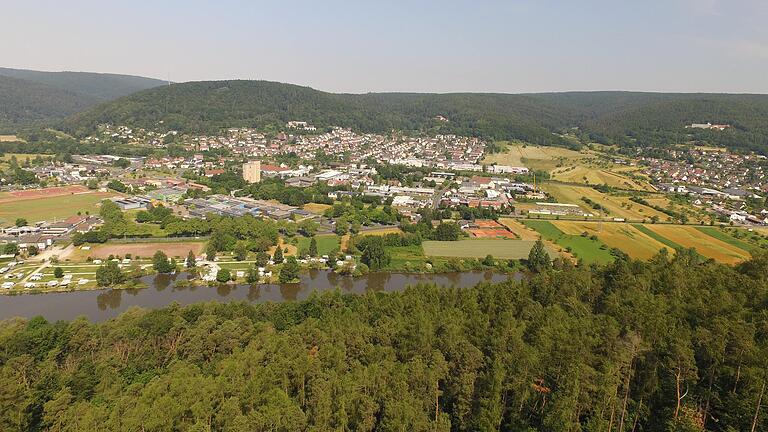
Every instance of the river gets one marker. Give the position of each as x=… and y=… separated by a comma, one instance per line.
x=100, y=305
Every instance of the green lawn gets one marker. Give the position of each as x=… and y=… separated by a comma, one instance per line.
x=479, y=248
x=727, y=238
x=325, y=243
x=399, y=255
x=591, y=251
x=59, y=207
x=657, y=237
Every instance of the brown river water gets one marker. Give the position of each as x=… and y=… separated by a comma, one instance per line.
x=162, y=290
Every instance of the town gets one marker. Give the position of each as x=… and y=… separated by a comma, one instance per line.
x=297, y=176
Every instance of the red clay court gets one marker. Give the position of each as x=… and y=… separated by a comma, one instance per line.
x=44, y=193
x=487, y=223
x=491, y=233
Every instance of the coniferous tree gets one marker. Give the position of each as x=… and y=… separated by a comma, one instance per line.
x=278, y=257
x=538, y=258
x=290, y=270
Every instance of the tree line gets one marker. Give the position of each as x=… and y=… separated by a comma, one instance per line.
x=674, y=344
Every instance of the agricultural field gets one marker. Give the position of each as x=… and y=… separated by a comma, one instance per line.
x=9, y=138
x=594, y=176
x=38, y=208
x=504, y=249
x=755, y=236
x=520, y=230
x=705, y=244
x=694, y=213
x=535, y=157
x=624, y=237
x=727, y=238
x=178, y=249
x=584, y=248
x=325, y=243
x=618, y=206
x=585, y=166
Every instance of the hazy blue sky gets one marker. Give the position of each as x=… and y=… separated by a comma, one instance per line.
x=437, y=46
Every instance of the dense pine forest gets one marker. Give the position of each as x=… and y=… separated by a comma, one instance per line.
x=674, y=344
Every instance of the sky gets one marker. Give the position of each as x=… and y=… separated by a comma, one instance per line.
x=359, y=46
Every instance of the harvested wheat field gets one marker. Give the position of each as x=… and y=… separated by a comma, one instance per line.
x=587, y=175
x=534, y=157
x=706, y=245
x=520, y=230
x=622, y=236
x=617, y=206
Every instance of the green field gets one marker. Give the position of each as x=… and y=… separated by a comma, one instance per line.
x=504, y=249
x=402, y=255
x=325, y=243
x=584, y=248
x=59, y=207
x=727, y=238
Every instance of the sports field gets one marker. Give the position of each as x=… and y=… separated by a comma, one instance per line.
x=488, y=228
x=145, y=250
x=584, y=248
x=618, y=206
x=42, y=193
x=48, y=208
x=705, y=244
x=480, y=248
x=624, y=237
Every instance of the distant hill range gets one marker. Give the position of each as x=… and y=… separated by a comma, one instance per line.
x=624, y=118
x=629, y=119
x=32, y=97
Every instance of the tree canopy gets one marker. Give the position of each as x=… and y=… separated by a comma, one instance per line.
x=676, y=343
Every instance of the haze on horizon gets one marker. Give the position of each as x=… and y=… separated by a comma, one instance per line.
x=513, y=46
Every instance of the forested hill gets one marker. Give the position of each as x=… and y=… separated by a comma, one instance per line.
x=30, y=98
x=609, y=117
x=674, y=344
x=211, y=105
x=101, y=86
x=26, y=102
